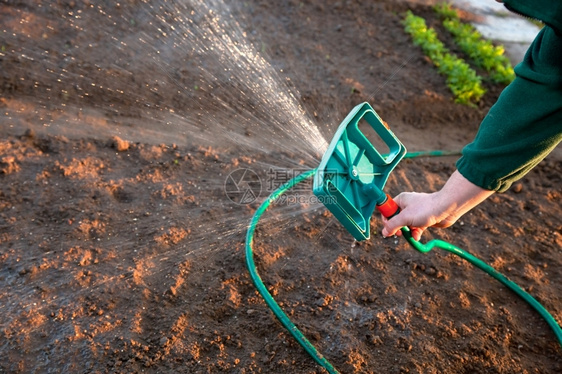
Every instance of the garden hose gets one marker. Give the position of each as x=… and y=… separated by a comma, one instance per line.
x=436, y=243
x=432, y=154
x=269, y=300
x=424, y=248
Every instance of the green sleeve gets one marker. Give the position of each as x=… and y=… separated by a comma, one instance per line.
x=524, y=125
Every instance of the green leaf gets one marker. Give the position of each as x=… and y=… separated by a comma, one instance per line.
x=461, y=79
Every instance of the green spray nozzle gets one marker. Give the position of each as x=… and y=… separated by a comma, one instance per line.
x=352, y=174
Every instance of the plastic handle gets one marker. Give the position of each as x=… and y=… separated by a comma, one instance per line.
x=388, y=208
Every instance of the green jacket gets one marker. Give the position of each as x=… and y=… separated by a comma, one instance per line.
x=525, y=124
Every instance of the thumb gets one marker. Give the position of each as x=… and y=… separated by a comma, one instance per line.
x=393, y=225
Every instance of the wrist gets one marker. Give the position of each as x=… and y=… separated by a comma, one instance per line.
x=458, y=196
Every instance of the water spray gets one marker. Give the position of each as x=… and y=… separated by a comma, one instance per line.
x=350, y=181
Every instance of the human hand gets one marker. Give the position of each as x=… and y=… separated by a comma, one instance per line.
x=418, y=211
x=440, y=209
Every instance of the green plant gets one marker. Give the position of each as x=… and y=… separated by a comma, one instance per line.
x=445, y=10
x=485, y=55
x=462, y=80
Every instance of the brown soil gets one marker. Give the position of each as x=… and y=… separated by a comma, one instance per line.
x=122, y=254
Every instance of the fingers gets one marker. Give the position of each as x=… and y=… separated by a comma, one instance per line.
x=389, y=229
x=387, y=233
x=417, y=232
x=392, y=226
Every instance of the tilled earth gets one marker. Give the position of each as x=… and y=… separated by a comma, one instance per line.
x=124, y=255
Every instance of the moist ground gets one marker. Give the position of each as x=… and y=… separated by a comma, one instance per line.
x=125, y=255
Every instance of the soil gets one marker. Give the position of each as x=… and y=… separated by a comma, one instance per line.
x=121, y=253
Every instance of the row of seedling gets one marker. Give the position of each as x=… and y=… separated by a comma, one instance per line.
x=485, y=55
x=463, y=81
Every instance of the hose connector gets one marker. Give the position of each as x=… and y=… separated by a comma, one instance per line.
x=388, y=208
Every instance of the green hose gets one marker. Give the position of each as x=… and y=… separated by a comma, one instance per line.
x=432, y=154
x=424, y=248
x=269, y=300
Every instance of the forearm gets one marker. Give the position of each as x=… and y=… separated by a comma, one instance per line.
x=457, y=197
x=524, y=125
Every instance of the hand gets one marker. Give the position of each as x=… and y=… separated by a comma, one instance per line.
x=440, y=209
x=418, y=211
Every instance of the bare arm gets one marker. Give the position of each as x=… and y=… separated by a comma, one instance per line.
x=438, y=209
